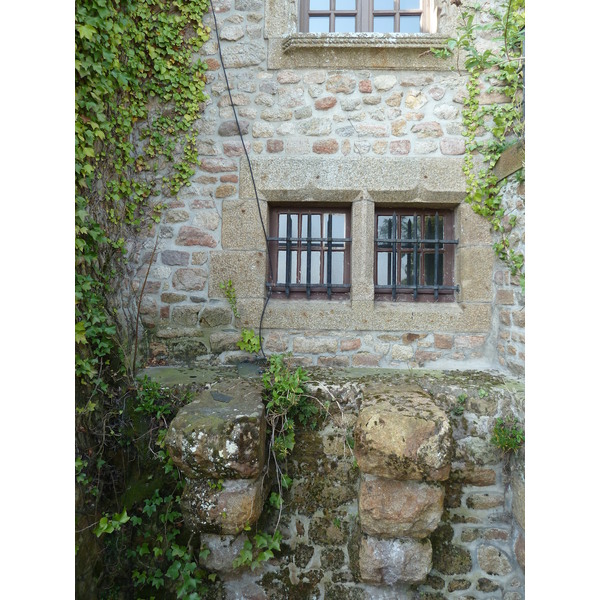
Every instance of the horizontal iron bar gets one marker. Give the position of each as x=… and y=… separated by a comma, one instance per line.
x=313, y=286
x=296, y=239
x=414, y=241
x=418, y=287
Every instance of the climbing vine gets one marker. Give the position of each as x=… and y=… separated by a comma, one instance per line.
x=497, y=70
x=139, y=91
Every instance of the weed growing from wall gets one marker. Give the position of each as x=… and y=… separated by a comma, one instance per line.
x=493, y=125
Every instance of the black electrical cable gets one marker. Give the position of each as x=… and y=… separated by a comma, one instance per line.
x=268, y=296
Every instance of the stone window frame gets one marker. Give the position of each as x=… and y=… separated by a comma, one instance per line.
x=422, y=248
x=321, y=289
x=362, y=183
x=290, y=48
x=364, y=12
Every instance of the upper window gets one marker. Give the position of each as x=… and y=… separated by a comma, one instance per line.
x=349, y=16
x=414, y=255
x=310, y=251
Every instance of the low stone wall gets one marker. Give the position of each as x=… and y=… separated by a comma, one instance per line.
x=444, y=519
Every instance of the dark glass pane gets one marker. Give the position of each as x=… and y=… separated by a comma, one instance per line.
x=319, y=5
x=383, y=24
x=410, y=24
x=345, y=24
x=407, y=269
x=383, y=5
x=408, y=230
x=318, y=24
x=385, y=230
x=345, y=4
x=430, y=269
x=410, y=4
x=430, y=233
x=384, y=268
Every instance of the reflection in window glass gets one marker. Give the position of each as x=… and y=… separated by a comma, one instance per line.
x=283, y=223
x=410, y=24
x=410, y=4
x=430, y=232
x=337, y=268
x=345, y=24
x=319, y=5
x=318, y=24
x=430, y=269
x=345, y=4
x=315, y=267
x=407, y=270
x=383, y=5
x=385, y=229
x=408, y=230
x=383, y=24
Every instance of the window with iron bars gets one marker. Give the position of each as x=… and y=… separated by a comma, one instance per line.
x=414, y=255
x=349, y=16
x=310, y=252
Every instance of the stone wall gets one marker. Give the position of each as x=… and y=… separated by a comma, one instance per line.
x=364, y=121
x=444, y=519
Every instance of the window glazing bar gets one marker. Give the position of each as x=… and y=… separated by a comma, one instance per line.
x=288, y=256
x=329, y=252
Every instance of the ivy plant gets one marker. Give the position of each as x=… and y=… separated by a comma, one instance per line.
x=492, y=125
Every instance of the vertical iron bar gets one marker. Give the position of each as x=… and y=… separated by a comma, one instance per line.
x=415, y=256
x=308, y=254
x=329, y=253
x=394, y=255
x=288, y=255
x=436, y=260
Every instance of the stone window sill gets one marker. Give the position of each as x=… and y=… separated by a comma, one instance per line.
x=367, y=40
x=347, y=51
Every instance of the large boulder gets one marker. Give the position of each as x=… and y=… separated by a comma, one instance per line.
x=393, y=509
x=221, y=434
x=401, y=434
x=394, y=561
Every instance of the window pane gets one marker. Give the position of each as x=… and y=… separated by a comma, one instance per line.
x=281, y=267
x=319, y=5
x=410, y=4
x=384, y=268
x=383, y=5
x=315, y=267
x=430, y=233
x=337, y=268
x=283, y=220
x=345, y=24
x=408, y=230
x=318, y=24
x=345, y=4
x=383, y=24
x=385, y=230
x=338, y=228
x=430, y=269
x=410, y=24
x=315, y=231
x=407, y=269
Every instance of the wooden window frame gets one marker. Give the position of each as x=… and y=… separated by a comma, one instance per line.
x=364, y=13
x=446, y=248
x=295, y=289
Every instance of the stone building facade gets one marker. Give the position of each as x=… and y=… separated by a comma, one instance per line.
x=362, y=123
